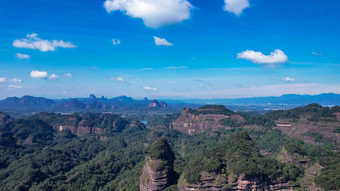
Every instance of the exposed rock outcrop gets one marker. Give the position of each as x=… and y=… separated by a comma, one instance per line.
x=208, y=181
x=337, y=114
x=4, y=118
x=158, y=169
x=82, y=124
x=216, y=182
x=137, y=125
x=194, y=123
x=155, y=104
x=236, y=165
x=163, y=104
x=154, y=178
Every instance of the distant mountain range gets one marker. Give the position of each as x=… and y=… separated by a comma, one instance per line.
x=128, y=104
x=90, y=104
x=287, y=99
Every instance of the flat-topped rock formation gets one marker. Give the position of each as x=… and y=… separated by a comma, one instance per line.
x=207, y=117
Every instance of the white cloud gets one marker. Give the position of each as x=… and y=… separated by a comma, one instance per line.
x=154, y=13
x=3, y=80
x=33, y=42
x=288, y=79
x=176, y=67
x=69, y=75
x=15, y=80
x=119, y=79
x=14, y=86
x=271, y=60
x=162, y=41
x=39, y=74
x=30, y=36
x=317, y=54
x=150, y=88
x=144, y=69
x=53, y=77
x=115, y=41
x=23, y=56
x=236, y=6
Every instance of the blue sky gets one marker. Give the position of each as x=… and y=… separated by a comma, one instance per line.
x=170, y=48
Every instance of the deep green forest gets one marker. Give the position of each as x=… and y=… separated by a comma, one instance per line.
x=36, y=156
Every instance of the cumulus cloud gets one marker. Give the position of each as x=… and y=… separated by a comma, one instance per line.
x=115, y=41
x=149, y=88
x=69, y=75
x=23, y=56
x=118, y=79
x=39, y=74
x=53, y=77
x=14, y=86
x=3, y=80
x=176, y=67
x=33, y=42
x=154, y=13
x=271, y=60
x=162, y=41
x=15, y=80
x=236, y=6
x=288, y=79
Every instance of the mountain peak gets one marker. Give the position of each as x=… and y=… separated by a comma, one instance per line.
x=92, y=96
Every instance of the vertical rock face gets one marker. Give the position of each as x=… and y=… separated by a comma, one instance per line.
x=208, y=181
x=154, y=178
x=158, y=169
x=154, y=103
x=196, y=121
x=257, y=183
x=215, y=182
x=82, y=124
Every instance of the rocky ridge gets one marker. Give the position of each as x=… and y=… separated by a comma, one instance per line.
x=215, y=182
x=196, y=121
x=81, y=124
x=236, y=165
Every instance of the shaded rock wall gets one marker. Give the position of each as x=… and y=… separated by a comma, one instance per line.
x=216, y=182
x=154, y=177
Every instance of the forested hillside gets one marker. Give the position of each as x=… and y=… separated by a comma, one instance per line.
x=90, y=151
